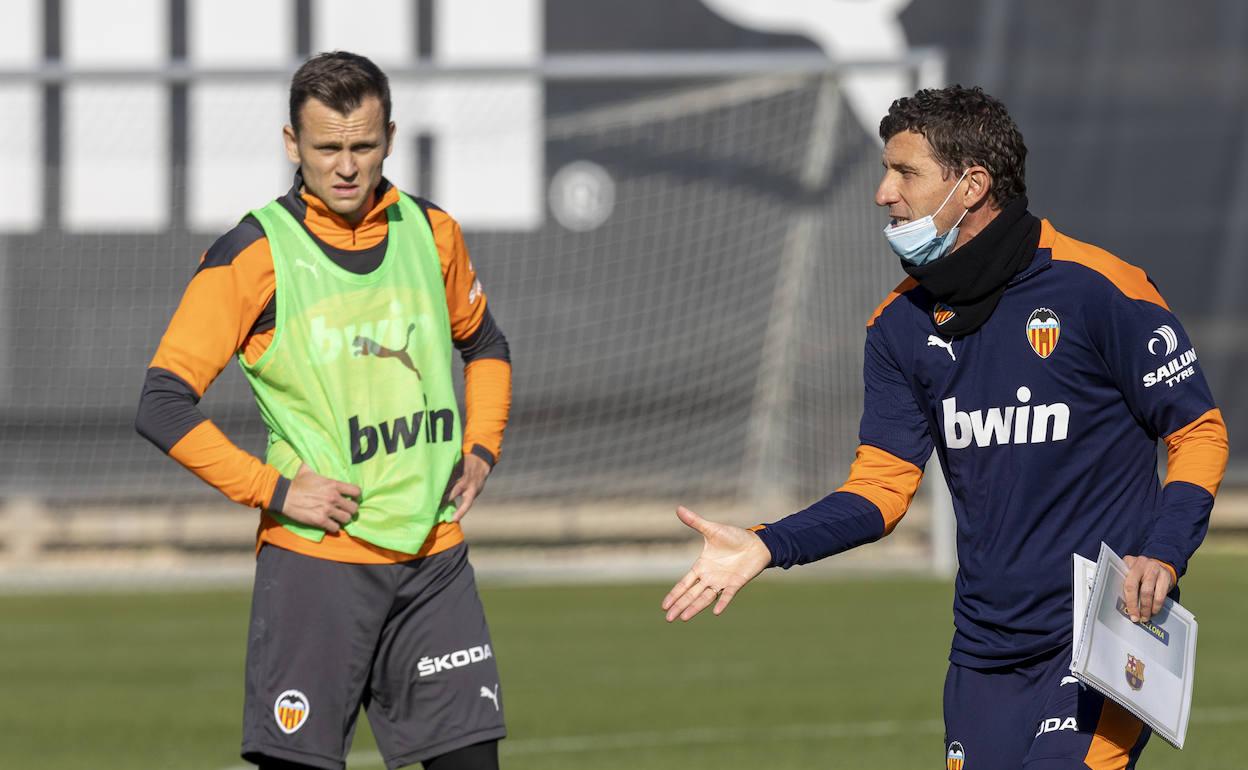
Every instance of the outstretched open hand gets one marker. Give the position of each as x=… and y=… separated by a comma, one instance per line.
x=730, y=558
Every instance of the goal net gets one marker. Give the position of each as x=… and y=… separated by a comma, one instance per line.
x=685, y=317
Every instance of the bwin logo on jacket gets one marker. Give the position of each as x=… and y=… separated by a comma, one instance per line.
x=1019, y=424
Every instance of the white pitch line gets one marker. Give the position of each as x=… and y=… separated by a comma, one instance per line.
x=696, y=736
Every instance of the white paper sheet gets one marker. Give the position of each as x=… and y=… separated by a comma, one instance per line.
x=1085, y=575
x=1147, y=668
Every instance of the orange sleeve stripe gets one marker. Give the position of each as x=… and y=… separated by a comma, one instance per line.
x=1197, y=452
x=902, y=288
x=215, y=316
x=210, y=455
x=465, y=300
x=757, y=527
x=1174, y=575
x=341, y=547
x=887, y=481
x=1116, y=733
x=1129, y=279
x=487, y=402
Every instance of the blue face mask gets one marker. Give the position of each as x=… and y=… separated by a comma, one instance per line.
x=917, y=242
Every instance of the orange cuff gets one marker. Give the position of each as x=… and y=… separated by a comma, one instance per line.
x=487, y=402
x=1197, y=452
x=888, y=482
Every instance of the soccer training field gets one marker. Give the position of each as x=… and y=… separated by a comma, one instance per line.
x=797, y=674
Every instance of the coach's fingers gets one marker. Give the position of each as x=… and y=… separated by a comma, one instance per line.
x=678, y=590
x=1162, y=588
x=1131, y=588
x=683, y=601
x=1148, y=584
x=693, y=521
x=701, y=601
x=724, y=598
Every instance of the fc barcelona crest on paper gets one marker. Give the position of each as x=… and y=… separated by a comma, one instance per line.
x=1043, y=329
x=291, y=711
x=1135, y=672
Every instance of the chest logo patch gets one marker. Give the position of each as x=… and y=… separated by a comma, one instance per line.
x=1043, y=329
x=941, y=313
x=933, y=340
x=365, y=346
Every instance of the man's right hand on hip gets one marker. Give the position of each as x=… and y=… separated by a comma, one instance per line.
x=320, y=502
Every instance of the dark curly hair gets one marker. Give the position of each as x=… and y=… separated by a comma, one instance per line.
x=965, y=127
x=341, y=81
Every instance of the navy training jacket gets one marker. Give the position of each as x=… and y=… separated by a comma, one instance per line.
x=1046, y=421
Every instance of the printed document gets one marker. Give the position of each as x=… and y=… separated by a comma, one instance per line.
x=1146, y=667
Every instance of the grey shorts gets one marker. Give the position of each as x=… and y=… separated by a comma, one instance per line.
x=408, y=642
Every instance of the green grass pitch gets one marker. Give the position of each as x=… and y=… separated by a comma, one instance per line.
x=797, y=674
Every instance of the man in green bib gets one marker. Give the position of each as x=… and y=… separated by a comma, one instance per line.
x=342, y=301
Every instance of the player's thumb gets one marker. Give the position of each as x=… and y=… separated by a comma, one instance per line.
x=692, y=520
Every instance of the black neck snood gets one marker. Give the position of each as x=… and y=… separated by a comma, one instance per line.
x=972, y=279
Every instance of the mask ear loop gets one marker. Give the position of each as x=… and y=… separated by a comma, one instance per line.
x=955, y=224
x=951, y=192
x=950, y=195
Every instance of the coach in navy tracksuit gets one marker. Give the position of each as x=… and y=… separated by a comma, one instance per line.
x=1043, y=371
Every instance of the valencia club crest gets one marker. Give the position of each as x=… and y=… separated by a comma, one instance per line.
x=291, y=711
x=1043, y=329
x=955, y=756
x=941, y=313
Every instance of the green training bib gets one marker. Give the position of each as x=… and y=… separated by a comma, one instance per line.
x=356, y=382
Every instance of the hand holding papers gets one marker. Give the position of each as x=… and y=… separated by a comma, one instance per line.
x=1146, y=667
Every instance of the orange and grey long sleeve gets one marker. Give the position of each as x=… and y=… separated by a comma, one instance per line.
x=487, y=357
x=864, y=509
x=230, y=307
x=216, y=318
